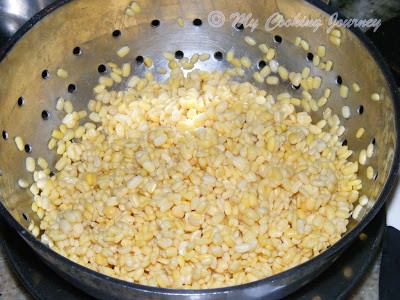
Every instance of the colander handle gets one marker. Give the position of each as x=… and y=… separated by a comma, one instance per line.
x=389, y=277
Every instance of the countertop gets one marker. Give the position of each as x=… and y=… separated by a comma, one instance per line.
x=10, y=286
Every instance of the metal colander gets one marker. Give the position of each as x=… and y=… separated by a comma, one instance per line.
x=79, y=36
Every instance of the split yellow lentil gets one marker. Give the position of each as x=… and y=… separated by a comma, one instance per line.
x=62, y=73
x=180, y=22
x=19, y=142
x=196, y=182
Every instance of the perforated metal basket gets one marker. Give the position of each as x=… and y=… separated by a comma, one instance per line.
x=81, y=35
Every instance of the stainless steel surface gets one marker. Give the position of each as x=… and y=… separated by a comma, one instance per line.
x=14, y=13
x=89, y=24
